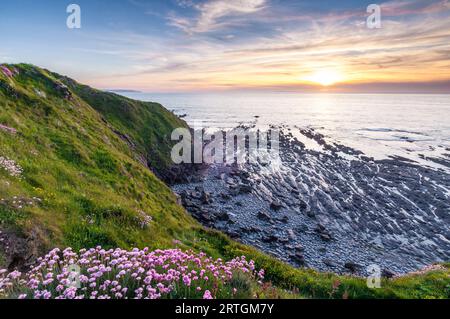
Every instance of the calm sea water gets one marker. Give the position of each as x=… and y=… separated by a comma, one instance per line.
x=380, y=125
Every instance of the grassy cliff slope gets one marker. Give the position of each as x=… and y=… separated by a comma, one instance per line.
x=81, y=182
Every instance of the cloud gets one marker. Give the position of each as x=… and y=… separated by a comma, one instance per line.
x=212, y=14
x=408, y=7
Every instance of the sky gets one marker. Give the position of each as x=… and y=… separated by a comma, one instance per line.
x=216, y=45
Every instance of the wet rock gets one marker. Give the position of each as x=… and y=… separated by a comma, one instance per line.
x=352, y=266
x=264, y=216
x=205, y=197
x=330, y=263
x=302, y=204
x=310, y=214
x=386, y=273
x=299, y=248
x=302, y=228
x=223, y=216
x=323, y=232
x=299, y=258
x=284, y=219
x=325, y=236
x=270, y=238
x=230, y=181
x=245, y=189
x=187, y=202
x=250, y=229
x=276, y=205
x=291, y=234
x=225, y=196
x=204, y=217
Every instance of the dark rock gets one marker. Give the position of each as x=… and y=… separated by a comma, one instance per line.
x=225, y=196
x=284, y=219
x=329, y=263
x=303, y=205
x=276, y=205
x=271, y=238
x=353, y=267
x=310, y=214
x=63, y=90
x=264, y=216
x=325, y=236
x=223, y=216
x=230, y=181
x=255, y=229
x=323, y=232
x=205, y=197
x=204, y=217
x=245, y=189
x=299, y=248
x=386, y=273
x=233, y=234
x=299, y=258
x=250, y=229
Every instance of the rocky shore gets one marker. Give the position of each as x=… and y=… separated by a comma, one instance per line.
x=335, y=210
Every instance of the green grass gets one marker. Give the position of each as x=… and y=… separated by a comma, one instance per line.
x=93, y=188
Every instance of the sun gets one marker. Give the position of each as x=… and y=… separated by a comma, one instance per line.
x=325, y=77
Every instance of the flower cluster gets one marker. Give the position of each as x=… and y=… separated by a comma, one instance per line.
x=7, y=72
x=19, y=202
x=10, y=166
x=120, y=274
x=144, y=219
x=8, y=129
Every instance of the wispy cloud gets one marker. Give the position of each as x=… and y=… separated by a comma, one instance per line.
x=210, y=14
x=407, y=7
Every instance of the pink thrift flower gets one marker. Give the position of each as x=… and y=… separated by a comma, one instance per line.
x=207, y=295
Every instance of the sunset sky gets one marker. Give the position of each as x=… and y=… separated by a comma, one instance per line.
x=186, y=45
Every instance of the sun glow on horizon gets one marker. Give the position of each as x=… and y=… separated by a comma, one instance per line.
x=325, y=77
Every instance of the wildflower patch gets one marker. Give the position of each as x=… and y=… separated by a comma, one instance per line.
x=120, y=274
x=11, y=167
x=8, y=72
x=7, y=129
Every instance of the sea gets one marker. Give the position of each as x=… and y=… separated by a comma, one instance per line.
x=412, y=126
